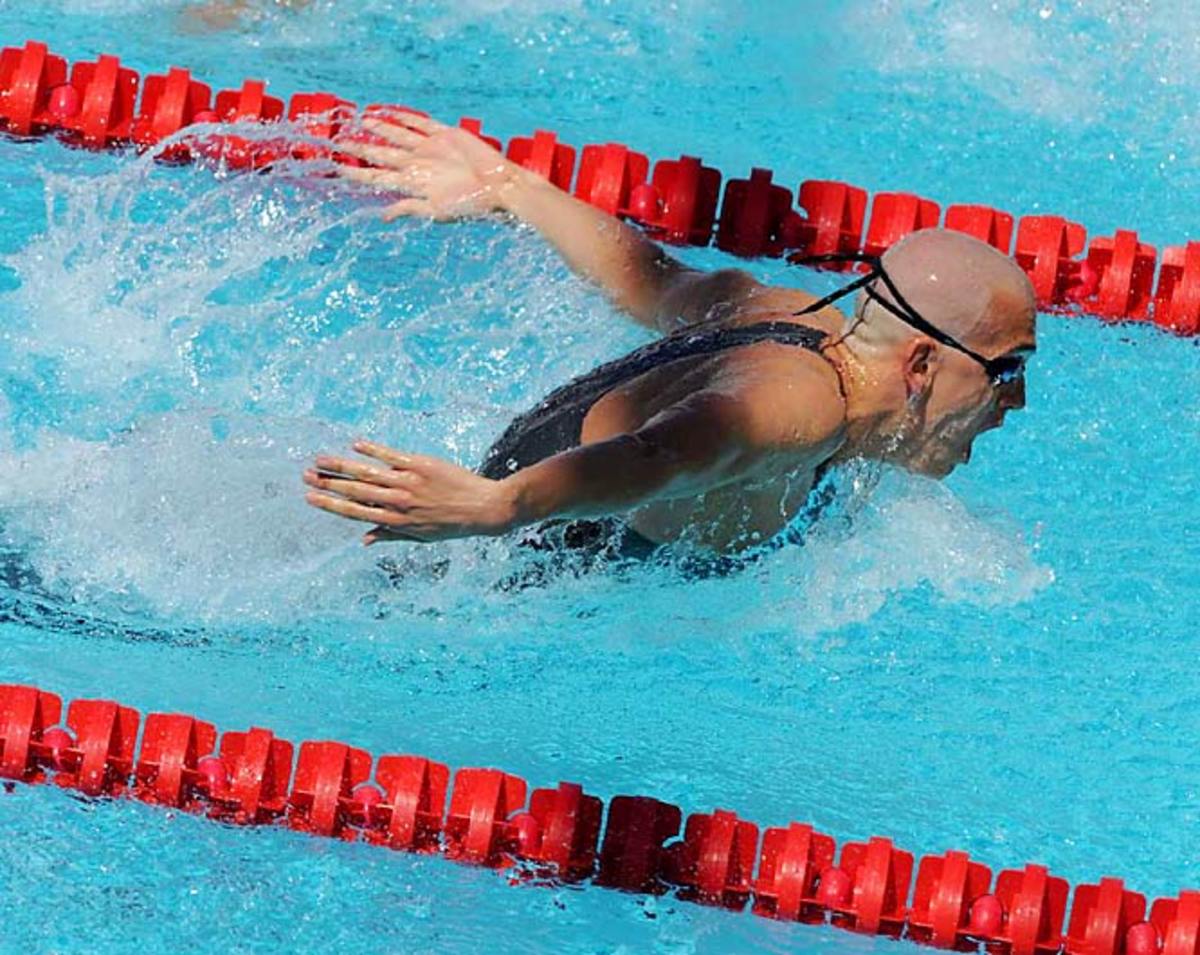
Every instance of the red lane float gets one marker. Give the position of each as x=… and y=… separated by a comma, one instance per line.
x=249, y=104
x=169, y=103
x=544, y=154
x=167, y=771
x=1101, y=917
x=753, y=216
x=323, y=800
x=984, y=223
x=257, y=770
x=33, y=90
x=789, y=875
x=1117, y=277
x=25, y=716
x=318, y=116
x=714, y=862
x=789, y=869
x=679, y=201
x=878, y=876
x=107, y=92
x=1177, y=923
x=944, y=908
x=1177, y=300
x=562, y=830
x=609, y=176
x=894, y=215
x=1047, y=249
x=632, y=852
x=476, y=826
x=409, y=816
x=833, y=220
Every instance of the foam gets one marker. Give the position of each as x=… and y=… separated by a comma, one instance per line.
x=1067, y=61
x=900, y=535
x=915, y=532
x=113, y=305
x=194, y=514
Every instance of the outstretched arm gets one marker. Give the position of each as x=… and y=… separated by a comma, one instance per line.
x=447, y=173
x=703, y=442
x=685, y=450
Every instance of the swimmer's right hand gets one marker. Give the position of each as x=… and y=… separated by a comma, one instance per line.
x=444, y=172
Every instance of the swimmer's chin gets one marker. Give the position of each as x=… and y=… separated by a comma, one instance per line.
x=937, y=470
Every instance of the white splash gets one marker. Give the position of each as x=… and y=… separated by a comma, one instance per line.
x=196, y=329
x=905, y=534
x=140, y=270
x=1068, y=61
x=199, y=514
x=915, y=532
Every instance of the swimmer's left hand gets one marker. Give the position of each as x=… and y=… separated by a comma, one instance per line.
x=415, y=497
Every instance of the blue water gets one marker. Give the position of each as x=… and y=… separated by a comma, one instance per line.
x=1002, y=663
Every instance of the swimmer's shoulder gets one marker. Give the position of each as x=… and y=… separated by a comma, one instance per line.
x=792, y=396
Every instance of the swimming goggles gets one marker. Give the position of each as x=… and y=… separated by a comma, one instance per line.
x=1001, y=370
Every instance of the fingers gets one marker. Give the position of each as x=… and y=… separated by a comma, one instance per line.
x=366, y=492
x=385, y=477
x=379, y=155
x=380, y=178
x=403, y=467
x=409, y=207
x=378, y=535
x=392, y=180
x=395, y=132
x=387, y=523
x=407, y=174
x=359, y=490
x=352, y=509
x=397, y=459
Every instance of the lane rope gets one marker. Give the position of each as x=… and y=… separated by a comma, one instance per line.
x=633, y=844
x=679, y=201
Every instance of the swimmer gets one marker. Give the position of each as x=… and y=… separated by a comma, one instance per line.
x=719, y=432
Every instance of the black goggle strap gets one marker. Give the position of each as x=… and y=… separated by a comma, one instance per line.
x=998, y=369
x=848, y=289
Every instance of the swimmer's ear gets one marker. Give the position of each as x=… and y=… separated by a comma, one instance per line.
x=919, y=359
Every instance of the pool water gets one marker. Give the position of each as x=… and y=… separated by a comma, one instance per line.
x=1001, y=663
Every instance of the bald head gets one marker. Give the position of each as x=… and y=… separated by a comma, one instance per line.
x=964, y=287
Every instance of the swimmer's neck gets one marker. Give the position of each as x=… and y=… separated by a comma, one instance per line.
x=874, y=409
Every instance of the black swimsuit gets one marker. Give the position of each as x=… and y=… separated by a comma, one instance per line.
x=556, y=423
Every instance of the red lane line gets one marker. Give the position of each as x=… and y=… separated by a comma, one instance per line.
x=1114, y=278
x=332, y=789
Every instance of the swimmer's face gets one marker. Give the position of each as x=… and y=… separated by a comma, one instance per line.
x=970, y=313
x=962, y=403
